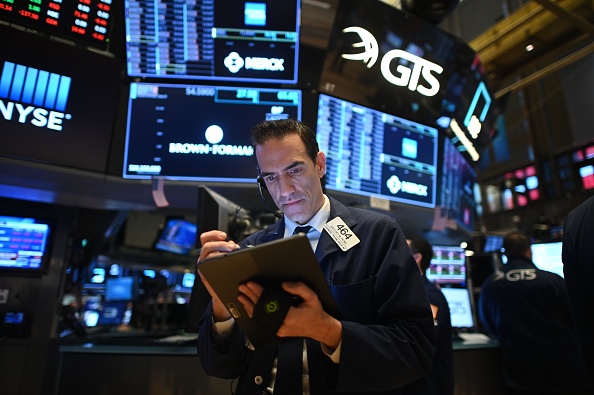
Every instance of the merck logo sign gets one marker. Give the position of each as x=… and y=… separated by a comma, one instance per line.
x=42, y=96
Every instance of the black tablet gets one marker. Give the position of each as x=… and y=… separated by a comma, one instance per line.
x=269, y=264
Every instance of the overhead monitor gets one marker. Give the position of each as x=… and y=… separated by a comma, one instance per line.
x=372, y=153
x=390, y=60
x=456, y=186
x=87, y=22
x=57, y=102
x=229, y=40
x=199, y=133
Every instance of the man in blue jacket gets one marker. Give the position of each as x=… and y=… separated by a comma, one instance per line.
x=384, y=338
x=527, y=310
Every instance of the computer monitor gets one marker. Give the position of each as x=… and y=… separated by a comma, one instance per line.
x=493, y=243
x=547, y=256
x=112, y=313
x=461, y=310
x=178, y=236
x=448, y=265
x=24, y=245
x=119, y=289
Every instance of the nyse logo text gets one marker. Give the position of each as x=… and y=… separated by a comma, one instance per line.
x=38, y=117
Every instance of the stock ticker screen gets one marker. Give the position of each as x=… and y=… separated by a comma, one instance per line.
x=83, y=21
x=372, y=153
x=228, y=40
x=165, y=138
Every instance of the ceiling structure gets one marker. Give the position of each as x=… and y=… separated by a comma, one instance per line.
x=561, y=33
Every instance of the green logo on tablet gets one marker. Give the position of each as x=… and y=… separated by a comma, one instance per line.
x=272, y=306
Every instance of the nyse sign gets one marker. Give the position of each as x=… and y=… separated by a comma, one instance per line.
x=409, y=76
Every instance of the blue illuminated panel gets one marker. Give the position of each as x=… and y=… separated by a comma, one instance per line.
x=376, y=154
x=18, y=83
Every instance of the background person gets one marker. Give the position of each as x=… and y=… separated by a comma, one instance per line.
x=527, y=310
x=385, y=338
x=440, y=379
x=578, y=270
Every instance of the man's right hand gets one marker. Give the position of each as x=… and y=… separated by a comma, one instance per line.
x=215, y=243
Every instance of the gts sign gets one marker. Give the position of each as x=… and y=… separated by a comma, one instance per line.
x=34, y=96
x=409, y=76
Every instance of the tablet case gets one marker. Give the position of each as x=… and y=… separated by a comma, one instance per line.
x=288, y=259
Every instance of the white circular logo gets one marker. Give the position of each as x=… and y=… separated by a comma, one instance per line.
x=233, y=62
x=394, y=184
x=214, y=134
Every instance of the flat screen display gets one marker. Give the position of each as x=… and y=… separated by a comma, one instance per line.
x=493, y=243
x=112, y=313
x=461, y=312
x=547, y=256
x=229, y=40
x=119, y=289
x=59, y=96
x=199, y=133
x=24, y=244
x=458, y=178
x=448, y=265
x=387, y=59
x=372, y=153
x=178, y=236
x=84, y=21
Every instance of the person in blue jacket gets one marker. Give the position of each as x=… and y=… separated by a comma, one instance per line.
x=384, y=338
x=527, y=311
x=440, y=379
x=578, y=270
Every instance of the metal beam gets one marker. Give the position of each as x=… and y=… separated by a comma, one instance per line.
x=567, y=15
x=545, y=71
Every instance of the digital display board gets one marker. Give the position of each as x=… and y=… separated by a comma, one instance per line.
x=458, y=178
x=376, y=154
x=56, y=95
x=83, y=21
x=394, y=62
x=24, y=244
x=228, y=40
x=448, y=265
x=199, y=133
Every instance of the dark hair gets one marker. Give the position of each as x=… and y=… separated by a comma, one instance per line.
x=423, y=247
x=280, y=128
x=516, y=244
